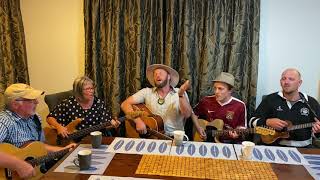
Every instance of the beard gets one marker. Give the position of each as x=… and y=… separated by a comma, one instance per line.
x=161, y=84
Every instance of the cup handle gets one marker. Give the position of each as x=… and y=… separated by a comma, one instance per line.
x=186, y=137
x=76, y=162
x=184, y=142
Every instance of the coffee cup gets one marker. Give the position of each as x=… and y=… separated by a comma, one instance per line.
x=84, y=159
x=96, y=138
x=246, y=150
x=178, y=137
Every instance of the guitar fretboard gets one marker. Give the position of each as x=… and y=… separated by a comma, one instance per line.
x=226, y=132
x=158, y=134
x=46, y=158
x=301, y=126
x=86, y=131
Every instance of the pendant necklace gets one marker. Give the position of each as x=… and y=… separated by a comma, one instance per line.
x=161, y=101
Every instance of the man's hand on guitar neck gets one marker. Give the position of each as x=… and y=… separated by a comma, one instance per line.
x=140, y=126
x=316, y=126
x=276, y=123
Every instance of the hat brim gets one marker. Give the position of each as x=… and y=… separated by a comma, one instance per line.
x=33, y=94
x=221, y=81
x=173, y=74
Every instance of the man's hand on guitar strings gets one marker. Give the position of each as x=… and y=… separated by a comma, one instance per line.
x=141, y=126
x=276, y=123
x=316, y=126
x=202, y=133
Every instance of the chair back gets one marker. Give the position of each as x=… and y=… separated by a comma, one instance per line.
x=54, y=99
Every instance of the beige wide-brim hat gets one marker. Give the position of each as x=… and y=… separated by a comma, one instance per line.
x=20, y=90
x=225, y=78
x=173, y=74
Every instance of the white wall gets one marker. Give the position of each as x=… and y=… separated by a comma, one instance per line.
x=54, y=34
x=289, y=37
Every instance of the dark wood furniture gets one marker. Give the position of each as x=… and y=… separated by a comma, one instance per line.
x=126, y=164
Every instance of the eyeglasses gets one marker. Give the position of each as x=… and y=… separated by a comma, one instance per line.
x=88, y=89
x=27, y=100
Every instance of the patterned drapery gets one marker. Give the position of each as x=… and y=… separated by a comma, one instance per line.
x=198, y=38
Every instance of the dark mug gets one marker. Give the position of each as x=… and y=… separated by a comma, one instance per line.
x=84, y=159
x=96, y=138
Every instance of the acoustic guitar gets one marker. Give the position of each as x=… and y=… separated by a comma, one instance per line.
x=71, y=127
x=214, y=130
x=33, y=153
x=154, y=123
x=271, y=138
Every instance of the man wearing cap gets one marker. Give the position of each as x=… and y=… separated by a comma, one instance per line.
x=222, y=106
x=19, y=122
x=171, y=103
x=289, y=106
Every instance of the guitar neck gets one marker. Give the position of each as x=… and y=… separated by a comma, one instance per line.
x=226, y=132
x=46, y=158
x=158, y=134
x=300, y=126
x=86, y=131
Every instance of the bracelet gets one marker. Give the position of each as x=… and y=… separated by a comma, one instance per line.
x=180, y=96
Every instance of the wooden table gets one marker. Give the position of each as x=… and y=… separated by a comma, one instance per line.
x=126, y=165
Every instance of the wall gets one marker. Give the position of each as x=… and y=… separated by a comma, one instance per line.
x=54, y=34
x=289, y=37
x=55, y=43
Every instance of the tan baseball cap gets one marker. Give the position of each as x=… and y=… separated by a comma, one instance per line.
x=225, y=78
x=20, y=90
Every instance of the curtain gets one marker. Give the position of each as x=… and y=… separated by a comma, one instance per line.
x=198, y=38
x=13, y=57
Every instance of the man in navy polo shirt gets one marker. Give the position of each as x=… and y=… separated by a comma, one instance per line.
x=289, y=106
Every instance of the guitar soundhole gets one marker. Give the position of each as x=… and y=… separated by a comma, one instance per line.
x=210, y=137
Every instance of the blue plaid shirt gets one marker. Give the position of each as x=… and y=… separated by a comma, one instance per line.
x=17, y=131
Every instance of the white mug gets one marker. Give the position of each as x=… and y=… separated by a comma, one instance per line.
x=246, y=150
x=178, y=137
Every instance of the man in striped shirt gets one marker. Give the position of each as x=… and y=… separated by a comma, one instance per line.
x=19, y=123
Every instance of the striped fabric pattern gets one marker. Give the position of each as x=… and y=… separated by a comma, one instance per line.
x=16, y=130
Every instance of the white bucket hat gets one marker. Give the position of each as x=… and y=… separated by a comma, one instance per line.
x=173, y=74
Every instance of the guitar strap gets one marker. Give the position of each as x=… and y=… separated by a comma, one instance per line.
x=38, y=123
x=306, y=102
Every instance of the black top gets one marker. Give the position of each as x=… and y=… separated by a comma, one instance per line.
x=276, y=106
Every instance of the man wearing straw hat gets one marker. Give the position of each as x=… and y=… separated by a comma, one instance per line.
x=222, y=106
x=171, y=103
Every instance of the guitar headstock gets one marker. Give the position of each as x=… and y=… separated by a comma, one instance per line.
x=265, y=130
